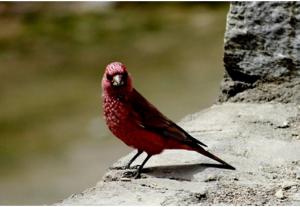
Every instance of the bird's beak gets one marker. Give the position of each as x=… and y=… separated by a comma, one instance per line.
x=117, y=80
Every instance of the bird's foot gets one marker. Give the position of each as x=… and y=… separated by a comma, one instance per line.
x=132, y=174
x=129, y=174
x=127, y=167
x=137, y=175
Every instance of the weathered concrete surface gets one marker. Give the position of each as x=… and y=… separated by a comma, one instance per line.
x=261, y=140
x=262, y=45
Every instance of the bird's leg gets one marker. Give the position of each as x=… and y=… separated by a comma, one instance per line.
x=139, y=152
x=139, y=170
x=132, y=159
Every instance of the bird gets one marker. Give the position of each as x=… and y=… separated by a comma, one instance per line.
x=138, y=123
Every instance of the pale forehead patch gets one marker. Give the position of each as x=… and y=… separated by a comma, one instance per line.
x=115, y=67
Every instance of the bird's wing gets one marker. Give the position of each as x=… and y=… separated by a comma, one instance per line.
x=149, y=118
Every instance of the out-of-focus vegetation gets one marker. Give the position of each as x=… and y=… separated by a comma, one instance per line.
x=52, y=55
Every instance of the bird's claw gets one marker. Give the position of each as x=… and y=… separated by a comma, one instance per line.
x=129, y=174
x=137, y=175
x=132, y=174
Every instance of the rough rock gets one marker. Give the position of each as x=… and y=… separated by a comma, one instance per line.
x=261, y=140
x=262, y=51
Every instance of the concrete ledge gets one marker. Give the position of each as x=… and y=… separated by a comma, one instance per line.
x=261, y=140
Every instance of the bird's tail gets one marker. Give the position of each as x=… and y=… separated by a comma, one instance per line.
x=208, y=154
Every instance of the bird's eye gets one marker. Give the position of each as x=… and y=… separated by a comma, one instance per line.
x=125, y=74
x=109, y=77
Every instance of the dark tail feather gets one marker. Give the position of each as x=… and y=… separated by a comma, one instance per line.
x=208, y=154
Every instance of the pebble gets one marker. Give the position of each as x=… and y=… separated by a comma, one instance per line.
x=200, y=195
x=284, y=125
x=279, y=194
x=211, y=178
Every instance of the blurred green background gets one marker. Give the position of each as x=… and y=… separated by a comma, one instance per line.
x=52, y=56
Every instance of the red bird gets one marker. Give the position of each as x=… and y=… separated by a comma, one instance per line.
x=135, y=121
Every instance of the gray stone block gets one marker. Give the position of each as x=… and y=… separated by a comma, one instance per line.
x=262, y=44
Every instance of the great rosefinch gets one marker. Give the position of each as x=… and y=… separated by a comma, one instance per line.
x=138, y=123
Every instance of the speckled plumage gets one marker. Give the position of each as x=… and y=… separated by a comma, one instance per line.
x=119, y=119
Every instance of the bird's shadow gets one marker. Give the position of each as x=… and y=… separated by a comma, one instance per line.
x=180, y=172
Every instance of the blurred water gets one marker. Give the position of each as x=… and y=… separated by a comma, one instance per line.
x=53, y=138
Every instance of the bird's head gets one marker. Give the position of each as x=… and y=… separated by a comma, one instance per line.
x=116, y=79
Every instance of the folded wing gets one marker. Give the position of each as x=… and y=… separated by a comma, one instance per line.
x=149, y=118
